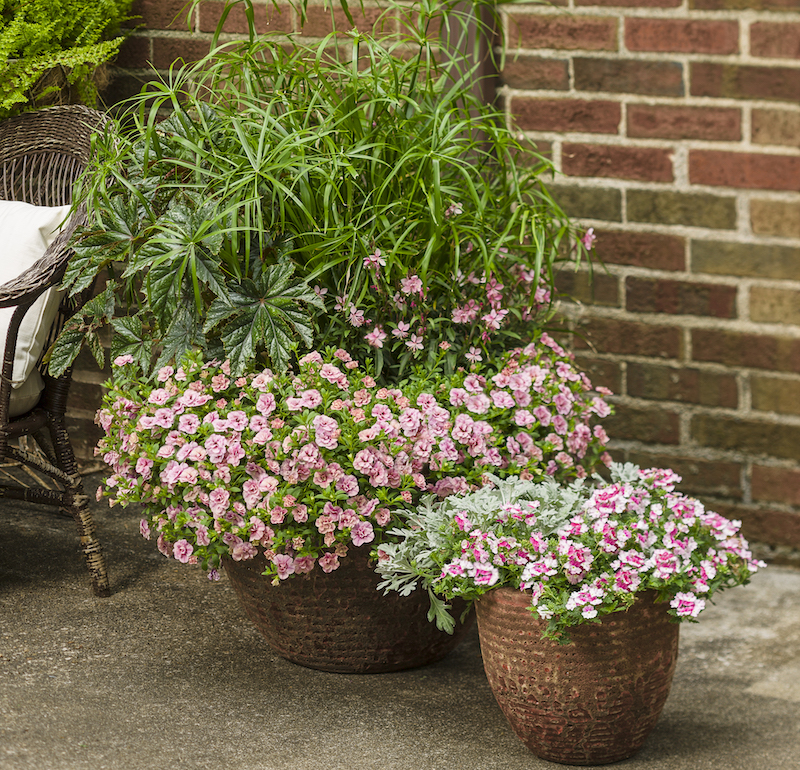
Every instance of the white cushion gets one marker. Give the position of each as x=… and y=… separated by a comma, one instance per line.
x=25, y=233
x=26, y=396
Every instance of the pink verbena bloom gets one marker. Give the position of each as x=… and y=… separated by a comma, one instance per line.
x=415, y=343
x=411, y=285
x=376, y=337
x=374, y=260
x=589, y=238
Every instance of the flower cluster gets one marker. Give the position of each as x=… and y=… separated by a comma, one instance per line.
x=305, y=465
x=470, y=316
x=581, y=556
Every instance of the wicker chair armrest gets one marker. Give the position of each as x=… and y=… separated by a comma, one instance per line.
x=46, y=271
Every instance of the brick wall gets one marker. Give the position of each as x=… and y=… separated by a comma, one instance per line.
x=675, y=127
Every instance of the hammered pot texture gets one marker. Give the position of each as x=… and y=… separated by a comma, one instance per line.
x=339, y=621
x=590, y=702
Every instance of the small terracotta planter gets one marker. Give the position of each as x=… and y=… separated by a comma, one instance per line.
x=339, y=621
x=590, y=702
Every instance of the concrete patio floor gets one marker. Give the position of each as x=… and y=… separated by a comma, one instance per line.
x=168, y=672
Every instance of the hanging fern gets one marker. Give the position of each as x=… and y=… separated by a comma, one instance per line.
x=69, y=37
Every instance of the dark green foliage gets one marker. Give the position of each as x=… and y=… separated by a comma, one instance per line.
x=72, y=37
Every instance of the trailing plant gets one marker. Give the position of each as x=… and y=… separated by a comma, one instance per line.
x=73, y=37
x=306, y=464
x=363, y=173
x=580, y=551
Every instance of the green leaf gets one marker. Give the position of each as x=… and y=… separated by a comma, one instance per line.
x=184, y=333
x=265, y=313
x=114, y=241
x=66, y=348
x=81, y=329
x=131, y=338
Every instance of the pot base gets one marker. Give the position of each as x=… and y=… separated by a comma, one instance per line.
x=590, y=702
x=339, y=621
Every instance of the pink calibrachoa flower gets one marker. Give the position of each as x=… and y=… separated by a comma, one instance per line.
x=329, y=562
x=584, y=560
x=304, y=463
x=284, y=565
x=182, y=551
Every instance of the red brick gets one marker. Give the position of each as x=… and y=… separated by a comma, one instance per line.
x=762, y=525
x=534, y=72
x=744, y=5
x=758, y=351
x=167, y=50
x=718, y=124
x=318, y=20
x=775, y=40
x=602, y=372
x=597, y=288
x=629, y=76
x=744, y=82
x=608, y=335
x=134, y=53
x=594, y=117
x=777, y=485
x=564, y=32
x=698, y=477
x=746, y=170
x=652, y=250
x=630, y=3
x=161, y=14
x=682, y=36
x=754, y=437
x=267, y=18
x=694, y=386
x=659, y=295
x=644, y=164
x=652, y=426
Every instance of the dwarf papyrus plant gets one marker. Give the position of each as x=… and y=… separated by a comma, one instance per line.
x=73, y=37
x=357, y=193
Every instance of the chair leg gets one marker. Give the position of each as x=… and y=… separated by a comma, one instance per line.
x=79, y=503
x=90, y=545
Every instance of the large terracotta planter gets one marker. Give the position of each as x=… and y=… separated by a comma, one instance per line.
x=339, y=621
x=590, y=702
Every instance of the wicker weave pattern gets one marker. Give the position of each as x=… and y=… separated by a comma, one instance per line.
x=41, y=155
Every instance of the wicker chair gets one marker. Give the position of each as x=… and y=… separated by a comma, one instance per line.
x=41, y=155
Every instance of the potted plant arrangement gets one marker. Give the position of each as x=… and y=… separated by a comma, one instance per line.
x=347, y=231
x=579, y=590
x=303, y=473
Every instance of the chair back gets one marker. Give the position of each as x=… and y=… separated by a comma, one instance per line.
x=43, y=153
